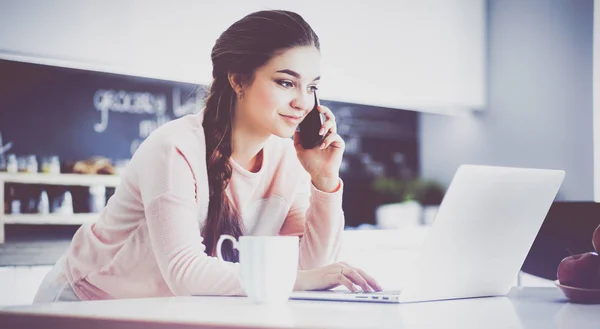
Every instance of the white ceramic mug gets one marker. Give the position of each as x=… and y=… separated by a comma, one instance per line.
x=268, y=265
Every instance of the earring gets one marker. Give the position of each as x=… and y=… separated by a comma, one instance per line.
x=241, y=94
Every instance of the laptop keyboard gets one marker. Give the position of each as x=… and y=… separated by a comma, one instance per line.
x=376, y=295
x=360, y=292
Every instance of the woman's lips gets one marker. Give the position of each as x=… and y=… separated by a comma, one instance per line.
x=291, y=118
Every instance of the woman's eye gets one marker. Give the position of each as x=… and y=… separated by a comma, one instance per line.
x=285, y=83
x=313, y=88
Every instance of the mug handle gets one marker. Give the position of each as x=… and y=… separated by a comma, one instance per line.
x=220, y=243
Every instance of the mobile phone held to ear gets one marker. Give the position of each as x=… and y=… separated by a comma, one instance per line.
x=310, y=126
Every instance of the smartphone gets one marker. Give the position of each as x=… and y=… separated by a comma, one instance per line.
x=310, y=126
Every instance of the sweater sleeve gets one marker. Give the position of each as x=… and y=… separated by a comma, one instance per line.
x=173, y=204
x=318, y=219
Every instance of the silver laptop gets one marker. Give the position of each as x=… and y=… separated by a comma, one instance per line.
x=481, y=235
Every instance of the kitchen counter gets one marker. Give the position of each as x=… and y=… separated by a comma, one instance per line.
x=527, y=308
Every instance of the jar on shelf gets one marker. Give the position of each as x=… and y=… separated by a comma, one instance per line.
x=97, y=198
x=12, y=165
x=51, y=165
x=15, y=207
x=31, y=165
x=22, y=163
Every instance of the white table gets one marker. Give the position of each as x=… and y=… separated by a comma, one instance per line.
x=522, y=308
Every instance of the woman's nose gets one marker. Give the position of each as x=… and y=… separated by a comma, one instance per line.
x=303, y=101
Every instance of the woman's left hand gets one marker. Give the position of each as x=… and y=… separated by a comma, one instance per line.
x=323, y=162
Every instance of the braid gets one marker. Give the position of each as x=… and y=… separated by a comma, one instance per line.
x=222, y=217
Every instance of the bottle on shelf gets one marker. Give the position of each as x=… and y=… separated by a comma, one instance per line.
x=43, y=204
x=13, y=203
x=67, y=205
x=64, y=204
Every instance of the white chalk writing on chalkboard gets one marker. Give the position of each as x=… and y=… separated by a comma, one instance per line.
x=122, y=101
x=191, y=105
x=143, y=103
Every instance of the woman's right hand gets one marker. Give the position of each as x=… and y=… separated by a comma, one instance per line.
x=334, y=275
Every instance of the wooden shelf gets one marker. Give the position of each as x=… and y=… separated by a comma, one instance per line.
x=50, y=219
x=51, y=179
x=61, y=179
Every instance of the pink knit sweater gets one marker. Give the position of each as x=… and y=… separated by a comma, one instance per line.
x=147, y=242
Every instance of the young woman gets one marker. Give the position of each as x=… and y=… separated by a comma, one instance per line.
x=231, y=169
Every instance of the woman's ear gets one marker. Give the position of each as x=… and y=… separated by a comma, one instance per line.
x=235, y=81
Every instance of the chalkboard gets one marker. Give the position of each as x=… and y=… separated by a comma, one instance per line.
x=77, y=114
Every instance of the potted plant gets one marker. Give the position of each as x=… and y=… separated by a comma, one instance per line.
x=406, y=201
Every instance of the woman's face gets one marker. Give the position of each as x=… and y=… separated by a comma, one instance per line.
x=281, y=93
